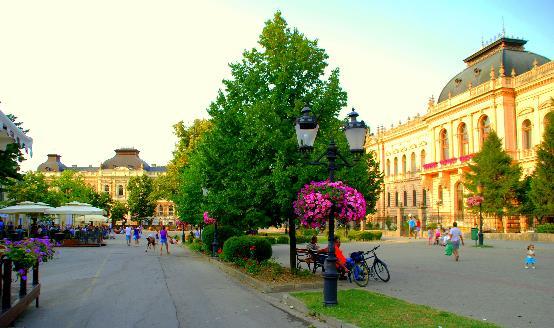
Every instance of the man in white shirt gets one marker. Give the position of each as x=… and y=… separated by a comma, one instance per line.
x=128, y=235
x=455, y=238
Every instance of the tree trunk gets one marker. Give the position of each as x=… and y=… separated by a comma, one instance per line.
x=292, y=243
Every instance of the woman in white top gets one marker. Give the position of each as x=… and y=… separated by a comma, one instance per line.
x=455, y=238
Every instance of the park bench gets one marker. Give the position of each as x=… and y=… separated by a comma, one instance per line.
x=313, y=260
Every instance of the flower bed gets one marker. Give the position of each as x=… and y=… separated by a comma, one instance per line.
x=449, y=161
x=430, y=166
x=26, y=253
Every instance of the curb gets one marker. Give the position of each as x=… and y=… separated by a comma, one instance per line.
x=297, y=304
x=263, y=286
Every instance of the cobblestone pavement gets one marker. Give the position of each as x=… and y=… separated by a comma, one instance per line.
x=487, y=283
x=120, y=286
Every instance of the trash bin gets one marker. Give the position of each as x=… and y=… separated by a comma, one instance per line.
x=474, y=234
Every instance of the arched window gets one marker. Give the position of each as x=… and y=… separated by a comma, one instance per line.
x=396, y=199
x=395, y=165
x=120, y=190
x=484, y=129
x=388, y=199
x=405, y=200
x=439, y=191
x=463, y=139
x=459, y=197
x=526, y=134
x=106, y=188
x=414, y=198
x=413, y=163
x=424, y=197
x=443, y=139
x=422, y=159
x=388, y=167
x=403, y=164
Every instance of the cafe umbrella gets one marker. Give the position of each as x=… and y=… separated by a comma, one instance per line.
x=75, y=209
x=26, y=207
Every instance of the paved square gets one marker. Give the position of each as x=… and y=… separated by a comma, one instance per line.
x=488, y=283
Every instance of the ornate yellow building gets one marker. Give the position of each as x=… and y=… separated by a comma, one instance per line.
x=113, y=175
x=504, y=88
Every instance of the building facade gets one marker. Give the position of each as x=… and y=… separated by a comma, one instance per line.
x=112, y=176
x=504, y=88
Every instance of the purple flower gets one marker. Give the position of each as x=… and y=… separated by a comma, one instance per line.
x=24, y=277
x=21, y=271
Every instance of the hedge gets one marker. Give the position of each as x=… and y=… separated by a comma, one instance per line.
x=223, y=233
x=270, y=239
x=308, y=232
x=364, y=235
x=239, y=248
x=545, y=228
x=282, y=240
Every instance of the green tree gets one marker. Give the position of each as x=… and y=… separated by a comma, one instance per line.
x=72, y=187
x=493, y=168
x=542, y=183
x=34, y=187
x=101, y=200
x=10, y=158
x=118, y=211
x=139, y=198
x=249, y=159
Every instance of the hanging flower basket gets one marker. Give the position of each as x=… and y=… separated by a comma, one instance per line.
x=208, y=220
x=474, y=201
x=314, y=202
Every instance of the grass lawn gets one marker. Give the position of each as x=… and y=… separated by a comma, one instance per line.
x=367, y=309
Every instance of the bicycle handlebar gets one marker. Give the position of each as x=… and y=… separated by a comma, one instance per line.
x=373, y=250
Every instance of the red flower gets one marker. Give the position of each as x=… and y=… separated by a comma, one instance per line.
x=252, y=248
x=219, y=250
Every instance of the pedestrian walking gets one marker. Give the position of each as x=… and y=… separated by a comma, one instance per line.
x=136, y=235
x=455, y=238
x=418, y=228
x=530, y=259
x=437, y=236
x=411, y=226
x=430, y=235
x=163, y=240
x=128, y=235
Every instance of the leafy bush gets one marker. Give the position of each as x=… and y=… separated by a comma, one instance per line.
x=309, y=232
x=545, y=228
x=196, y=246
x=282, y=240
x=239, y=248
x=223, y=233
x=270, y=239
x=364, y=235
x=302, y=239
x=432, y=226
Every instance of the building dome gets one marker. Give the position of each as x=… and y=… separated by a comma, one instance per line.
x=52, y=164
x=504, y=52
x=126, y=157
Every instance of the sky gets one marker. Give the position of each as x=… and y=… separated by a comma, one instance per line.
x=87, y=77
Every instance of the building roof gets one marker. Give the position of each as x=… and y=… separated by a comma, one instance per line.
x=126, y=157
x=506, y=52
x=52, y=164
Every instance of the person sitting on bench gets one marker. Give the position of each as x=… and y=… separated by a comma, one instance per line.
x=341, y=260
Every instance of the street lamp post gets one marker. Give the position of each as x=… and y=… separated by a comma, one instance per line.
x=306, y=132
x=480, y=235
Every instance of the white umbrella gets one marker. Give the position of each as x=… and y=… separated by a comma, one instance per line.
x=26, y=207
x=93, y=218
x=76, y=208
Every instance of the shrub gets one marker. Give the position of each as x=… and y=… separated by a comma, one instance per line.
x=223, y=233
x=238, y=248
x=302, y=239
x=365, y=235
x=282, y=240
x=270, y=239
x=309, y=232
x=545, y=228
x=354, y=234
x=432, y=226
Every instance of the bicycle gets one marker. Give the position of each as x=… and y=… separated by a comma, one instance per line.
x=361, y=271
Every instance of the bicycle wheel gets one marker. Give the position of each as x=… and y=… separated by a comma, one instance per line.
x=381, y=270
x=360, y=274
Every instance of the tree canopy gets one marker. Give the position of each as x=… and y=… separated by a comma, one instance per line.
x=542, y=183
x=139, y=200
x=10, y=159
x=248, y=161
x=494, y=170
